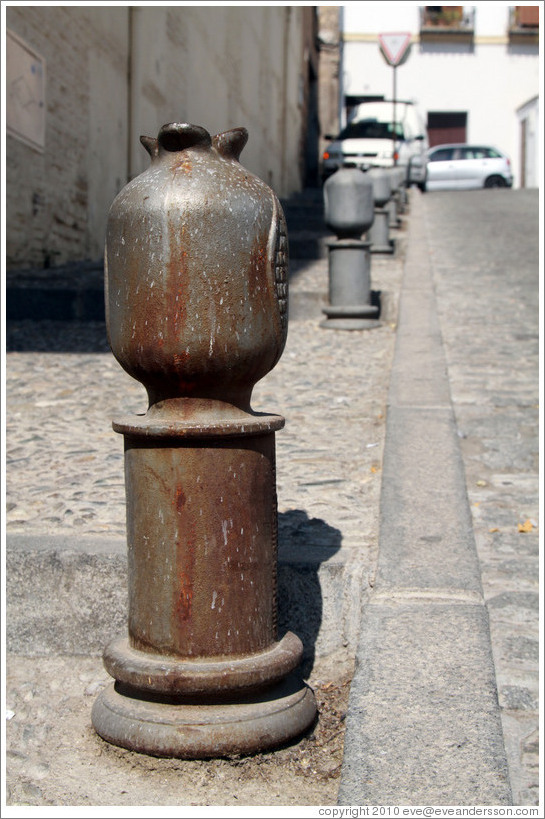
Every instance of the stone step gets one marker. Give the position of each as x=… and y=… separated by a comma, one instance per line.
x=69, y=596
x=75, y=292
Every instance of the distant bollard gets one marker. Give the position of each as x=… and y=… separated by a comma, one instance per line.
x=402, y=188
x=379, y=232
x=393, y=205
x=196, y=305
x=348, y=206
x=399, y=187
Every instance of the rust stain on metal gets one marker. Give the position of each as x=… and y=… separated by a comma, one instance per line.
x=183, y=607
x=180, y=499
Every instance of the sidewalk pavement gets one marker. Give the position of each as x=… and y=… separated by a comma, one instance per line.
x=460, y=475
x=440, y=609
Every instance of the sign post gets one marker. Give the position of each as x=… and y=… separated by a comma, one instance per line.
x=395, y=49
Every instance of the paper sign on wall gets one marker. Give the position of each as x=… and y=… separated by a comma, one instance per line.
x=25, y=92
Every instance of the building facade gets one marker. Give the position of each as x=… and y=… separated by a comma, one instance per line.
x=330, y=68
x=474, y=72
x=83, y=83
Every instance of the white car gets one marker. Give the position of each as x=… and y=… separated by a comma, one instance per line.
x=459, y=166
x=367, y=141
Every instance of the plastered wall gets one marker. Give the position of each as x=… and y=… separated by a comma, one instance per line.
x=114, y=73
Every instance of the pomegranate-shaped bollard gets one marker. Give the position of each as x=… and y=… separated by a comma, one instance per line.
x=379, y=232
x=196, y=303
x=348, y=211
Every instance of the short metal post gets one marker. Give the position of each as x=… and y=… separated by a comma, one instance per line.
x=196, y=278
x=402, y=188
x=379, y=232
x=348, y=205
x=394, y=205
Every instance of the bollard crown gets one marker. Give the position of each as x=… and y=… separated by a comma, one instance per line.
x=348, y=203
x=196, y=273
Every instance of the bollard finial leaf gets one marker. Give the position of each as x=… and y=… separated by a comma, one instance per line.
x=150, y=144
x=230, y=143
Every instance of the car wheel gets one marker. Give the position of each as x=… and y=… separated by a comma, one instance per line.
x=495, y=182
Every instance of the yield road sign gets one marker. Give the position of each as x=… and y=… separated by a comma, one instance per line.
x=394, y=46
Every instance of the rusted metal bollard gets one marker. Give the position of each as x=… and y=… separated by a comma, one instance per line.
x=348, y=207
x=196, y=280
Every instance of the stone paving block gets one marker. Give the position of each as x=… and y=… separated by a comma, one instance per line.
x=423, y=710
x=426, y=538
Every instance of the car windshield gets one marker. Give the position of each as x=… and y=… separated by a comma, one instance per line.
x=370, y=129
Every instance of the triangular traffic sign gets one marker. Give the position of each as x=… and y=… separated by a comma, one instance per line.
x=394, y=45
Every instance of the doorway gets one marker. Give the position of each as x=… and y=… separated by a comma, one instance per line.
x=446, y=126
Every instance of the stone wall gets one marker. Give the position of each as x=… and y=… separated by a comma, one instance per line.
x=114, y=73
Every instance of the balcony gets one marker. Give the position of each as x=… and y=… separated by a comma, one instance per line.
x=524, y=25
x=447, y=24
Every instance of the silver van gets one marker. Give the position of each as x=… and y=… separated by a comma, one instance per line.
x=367, y=141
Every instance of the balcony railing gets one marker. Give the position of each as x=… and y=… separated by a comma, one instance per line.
x=447, y=22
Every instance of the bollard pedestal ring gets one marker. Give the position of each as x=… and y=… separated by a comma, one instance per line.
x=167, y=675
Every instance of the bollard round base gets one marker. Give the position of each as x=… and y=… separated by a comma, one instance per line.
x=349, y=324
x=389, y=248
x=195, y=731
x=355, y=317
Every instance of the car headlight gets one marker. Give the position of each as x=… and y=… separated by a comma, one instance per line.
x=332, y=153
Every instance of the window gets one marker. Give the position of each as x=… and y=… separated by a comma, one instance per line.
x=474, y=153
x=447, y=23
x=527, y=16
x=446, y=127
x=443, y=16
x=524, y=25
x=442, y=155
x=370, y=129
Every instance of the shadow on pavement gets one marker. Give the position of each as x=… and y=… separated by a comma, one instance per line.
x=304, y=544
x=47, y=336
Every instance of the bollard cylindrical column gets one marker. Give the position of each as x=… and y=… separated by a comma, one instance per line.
x=348, y=206
x=196, y=303
x=379, y=232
